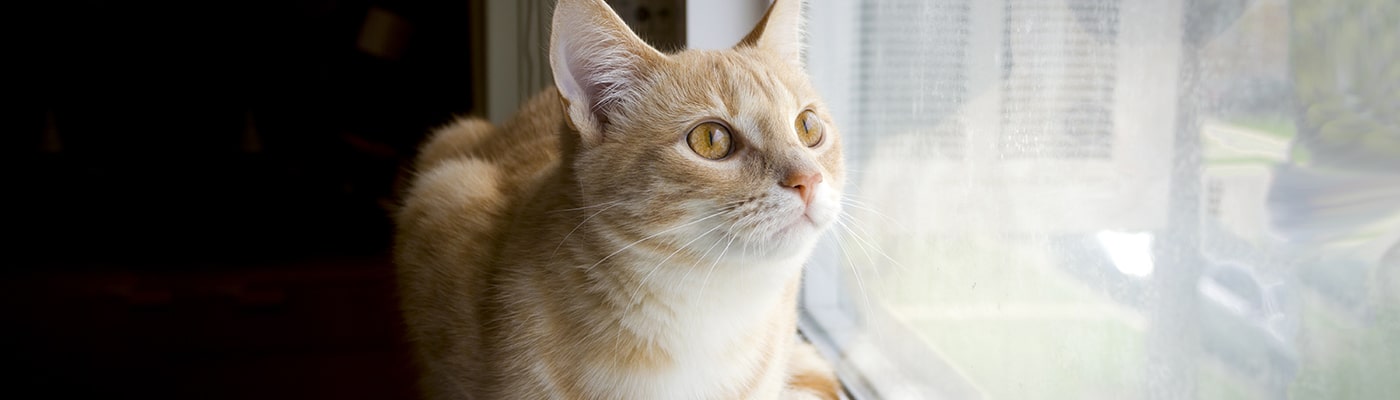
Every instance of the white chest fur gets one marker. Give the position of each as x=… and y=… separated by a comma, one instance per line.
x=725, y=335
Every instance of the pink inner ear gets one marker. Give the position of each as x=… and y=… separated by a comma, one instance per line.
x=603, y=96
x=567, y=85
x=601, y=69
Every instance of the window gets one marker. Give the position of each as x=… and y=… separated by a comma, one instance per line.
x=1112, y=198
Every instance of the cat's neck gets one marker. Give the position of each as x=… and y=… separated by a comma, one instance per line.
x=655, y=289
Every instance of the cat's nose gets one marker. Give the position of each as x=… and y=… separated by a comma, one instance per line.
x=804, y=182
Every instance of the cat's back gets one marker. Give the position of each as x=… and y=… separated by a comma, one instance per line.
x=467, y=179
x=528, y=144
x=470, y=173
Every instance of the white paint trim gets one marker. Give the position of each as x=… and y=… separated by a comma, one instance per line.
x=719, y=24
x=502, y=57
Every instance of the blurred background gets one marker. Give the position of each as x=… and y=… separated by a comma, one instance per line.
x=200, y=192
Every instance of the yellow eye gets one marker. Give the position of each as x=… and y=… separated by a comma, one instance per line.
x=809, y=128
x=710, y=140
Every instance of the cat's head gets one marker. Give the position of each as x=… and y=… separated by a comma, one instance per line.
x=704, y=149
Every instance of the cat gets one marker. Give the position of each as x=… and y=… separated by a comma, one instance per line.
x=636, y=232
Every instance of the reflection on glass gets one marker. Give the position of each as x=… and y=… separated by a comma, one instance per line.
x=1131, y=253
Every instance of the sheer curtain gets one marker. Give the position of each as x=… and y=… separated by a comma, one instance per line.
x=1112, y=198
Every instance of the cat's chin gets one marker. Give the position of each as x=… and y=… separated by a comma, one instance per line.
x=801, y=229
x=796, y=239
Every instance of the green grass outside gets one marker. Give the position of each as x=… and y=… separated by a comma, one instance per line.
x=1281, y=127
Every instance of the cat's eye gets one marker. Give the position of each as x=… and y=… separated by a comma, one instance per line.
x=809, y=128
x=711, y=140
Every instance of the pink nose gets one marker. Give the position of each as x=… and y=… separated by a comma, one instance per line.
x=804, y=182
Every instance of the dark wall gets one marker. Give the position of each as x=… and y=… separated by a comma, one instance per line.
x=200, y=191
x=225, y=129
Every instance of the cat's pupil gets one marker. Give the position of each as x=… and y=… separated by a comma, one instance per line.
x=808, y=128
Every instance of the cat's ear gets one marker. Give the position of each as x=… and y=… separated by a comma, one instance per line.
x=598, y=63
x=780, y=31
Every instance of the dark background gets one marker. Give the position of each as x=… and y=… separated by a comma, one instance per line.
x=200, y=191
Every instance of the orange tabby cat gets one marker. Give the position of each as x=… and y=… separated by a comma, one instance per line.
x=637, y=233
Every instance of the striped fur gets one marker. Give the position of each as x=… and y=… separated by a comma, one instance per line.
x=583, y=251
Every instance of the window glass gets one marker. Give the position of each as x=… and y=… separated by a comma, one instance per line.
x=1112, y=198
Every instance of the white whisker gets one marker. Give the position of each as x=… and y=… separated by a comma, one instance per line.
x=624, y=248
x=862, y=247
x=633, y=298
x=580, y=224
x=867, y=207
x=708, y=250
x=610, y=203
x=712, y=267
x=879, y=276
x=855, y=223
x=872, y=245
x=856, y=272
